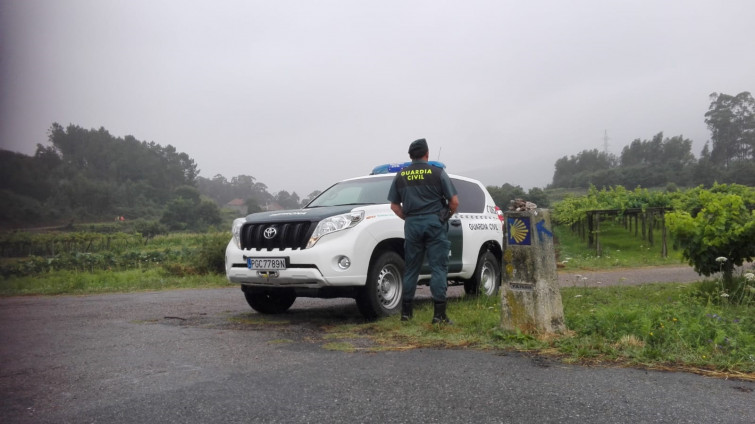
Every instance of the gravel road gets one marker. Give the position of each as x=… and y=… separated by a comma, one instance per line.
x=198, y=356
x=629, y=276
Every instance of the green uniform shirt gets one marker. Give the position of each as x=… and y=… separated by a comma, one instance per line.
x=421, y=189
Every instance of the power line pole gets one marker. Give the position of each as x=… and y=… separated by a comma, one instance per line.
x=605, y=141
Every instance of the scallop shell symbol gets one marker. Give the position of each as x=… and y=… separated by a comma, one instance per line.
x=518, y=230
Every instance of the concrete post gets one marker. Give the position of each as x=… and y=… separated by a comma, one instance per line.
x=530, y=297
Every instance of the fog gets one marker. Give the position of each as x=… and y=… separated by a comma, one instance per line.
x=301, y=94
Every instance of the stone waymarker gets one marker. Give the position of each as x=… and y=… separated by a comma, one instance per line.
x=530, y=297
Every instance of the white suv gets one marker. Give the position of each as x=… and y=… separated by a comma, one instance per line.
x=348, y=243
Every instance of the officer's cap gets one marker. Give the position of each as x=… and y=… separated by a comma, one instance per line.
x=418, y=148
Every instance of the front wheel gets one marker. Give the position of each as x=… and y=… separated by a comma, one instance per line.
x=487, y=276
x=381, y=296
x=269, y=301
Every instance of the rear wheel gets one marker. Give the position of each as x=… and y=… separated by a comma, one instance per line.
x=269, y=301
x=381, y=296
x=487, y=276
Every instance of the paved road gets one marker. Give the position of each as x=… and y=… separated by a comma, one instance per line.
x=199, y=356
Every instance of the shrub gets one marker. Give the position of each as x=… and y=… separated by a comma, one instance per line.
x=719, y=232
x=210, y=256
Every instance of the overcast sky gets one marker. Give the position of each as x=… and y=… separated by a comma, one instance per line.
x=300, y=94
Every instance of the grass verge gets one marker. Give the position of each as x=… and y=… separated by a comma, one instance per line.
x=659, y=326
x=73, y=282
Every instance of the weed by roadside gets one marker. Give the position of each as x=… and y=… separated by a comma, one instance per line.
x=653, y=325
x=659, y=324
x=73, y=282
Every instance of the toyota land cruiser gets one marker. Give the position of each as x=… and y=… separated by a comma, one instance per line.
x=348, y=243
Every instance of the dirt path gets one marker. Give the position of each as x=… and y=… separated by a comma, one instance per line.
x=629, y=276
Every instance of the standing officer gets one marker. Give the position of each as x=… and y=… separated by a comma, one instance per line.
x=425, y=198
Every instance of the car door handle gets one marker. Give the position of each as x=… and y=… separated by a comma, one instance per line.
x=455, y=222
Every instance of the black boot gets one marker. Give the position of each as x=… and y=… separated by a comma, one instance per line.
x=407, y=310
x=439, y=314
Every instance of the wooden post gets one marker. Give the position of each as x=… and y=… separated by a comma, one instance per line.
x=590, y=232
x=651, y=219
x=664, y=248
x=582, y=235
x=579, y=227
x=598, y=250
x=644, y=228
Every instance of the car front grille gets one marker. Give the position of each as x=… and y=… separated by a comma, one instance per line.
x=279, y=235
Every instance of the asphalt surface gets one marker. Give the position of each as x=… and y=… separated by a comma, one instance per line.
x=200, y=356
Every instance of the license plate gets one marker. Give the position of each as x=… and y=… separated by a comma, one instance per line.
x=266, y=263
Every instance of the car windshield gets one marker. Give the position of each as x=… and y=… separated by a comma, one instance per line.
x=363, y=191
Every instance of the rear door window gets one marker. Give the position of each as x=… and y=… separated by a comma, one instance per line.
x=471, y=196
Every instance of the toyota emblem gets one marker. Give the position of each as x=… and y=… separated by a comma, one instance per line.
x=270, y=232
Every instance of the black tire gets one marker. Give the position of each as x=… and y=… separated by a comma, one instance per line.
x=381, y=296
x=270, y=301
x=487, y=276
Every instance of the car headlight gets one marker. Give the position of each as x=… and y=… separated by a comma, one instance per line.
x=335, y=223
x=236, y=230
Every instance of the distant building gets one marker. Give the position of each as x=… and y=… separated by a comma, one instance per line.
x=273, y=206
x=238, y=205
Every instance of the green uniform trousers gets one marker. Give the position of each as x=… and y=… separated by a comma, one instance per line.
x=426, y=235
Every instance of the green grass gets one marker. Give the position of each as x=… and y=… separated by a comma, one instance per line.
x=667, y=326
x=660, y=324
x=620, y=249
x=72, y=282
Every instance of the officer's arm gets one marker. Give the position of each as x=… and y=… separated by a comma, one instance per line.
x=396, y=208
x=453, y=204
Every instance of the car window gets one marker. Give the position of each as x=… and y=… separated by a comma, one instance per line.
x=375, y=191
x=361, y=191
x=471, y=196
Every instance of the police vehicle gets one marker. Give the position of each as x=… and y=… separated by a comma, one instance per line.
x=348, y=243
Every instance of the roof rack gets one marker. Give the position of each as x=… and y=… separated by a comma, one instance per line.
x=390, y=168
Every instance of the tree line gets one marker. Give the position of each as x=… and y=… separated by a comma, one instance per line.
x=87, y=175
x=505, y=194
x=254, y=194
x=729, y=156
x=90, y=175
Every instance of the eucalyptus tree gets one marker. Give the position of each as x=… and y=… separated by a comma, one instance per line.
x=731, y=120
